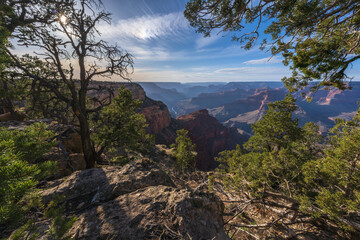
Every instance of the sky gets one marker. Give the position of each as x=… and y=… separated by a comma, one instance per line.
x=167, y=49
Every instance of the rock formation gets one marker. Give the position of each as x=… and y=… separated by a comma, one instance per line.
x=209, y=135
x=156, y=113
x=206, y=132
x=137, y=201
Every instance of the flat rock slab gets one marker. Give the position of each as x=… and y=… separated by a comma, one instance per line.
x=136, y=201
x=156, y=212
x=97, y=185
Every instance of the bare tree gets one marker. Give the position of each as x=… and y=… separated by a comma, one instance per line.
x=72, y=46
x=13, y=14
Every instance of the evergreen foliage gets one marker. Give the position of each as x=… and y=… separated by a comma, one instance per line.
x=19, y=171
x=184, y=151
x=284, y=160
x=120, y=127
x=319, y=39
x=58, y=81
x=273, y=156
x=60, y=224
x=335, y=177
x=15, y=14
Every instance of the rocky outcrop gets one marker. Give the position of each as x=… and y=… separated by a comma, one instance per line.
x=97, y=185
x=7, y=117
x=209, y=135
x=157, y=212
x=137, y=201
x=157, y=115
x=67, y=166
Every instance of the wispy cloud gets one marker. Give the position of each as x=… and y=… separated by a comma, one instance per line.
x=144, y=51
x=210, y=74
x=153, y=54
x=202, y=42
x=146, y=27
x=267, y=60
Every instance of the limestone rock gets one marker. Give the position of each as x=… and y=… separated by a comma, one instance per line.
x=156, y=212
x=136, y=201
x=17, y=116
x=97, y=185
x=157, y=116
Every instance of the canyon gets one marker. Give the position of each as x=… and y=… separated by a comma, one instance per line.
x=218, y=116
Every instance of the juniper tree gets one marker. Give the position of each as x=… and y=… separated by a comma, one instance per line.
x=184, y=151
x=70, y=42
x=333, y=180
x=15, y=14
x=319, y=39
x=273, y=157
x=119, y=126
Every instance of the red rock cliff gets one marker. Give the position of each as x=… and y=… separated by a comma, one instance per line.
x=208, y=134
x=157, y=116
x=156, y=113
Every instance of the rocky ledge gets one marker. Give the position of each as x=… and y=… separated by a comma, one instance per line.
x=136, y=201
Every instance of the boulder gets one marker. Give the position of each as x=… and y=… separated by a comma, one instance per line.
x=7, y=117
x=156, y=212
x=136, y=201
x=75, y=162
x=16, y=116
x=97, y=185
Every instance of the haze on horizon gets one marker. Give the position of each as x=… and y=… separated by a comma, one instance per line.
x=167, y=49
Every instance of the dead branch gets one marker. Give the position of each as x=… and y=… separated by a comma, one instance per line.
x=249, y=233
x=201, y=185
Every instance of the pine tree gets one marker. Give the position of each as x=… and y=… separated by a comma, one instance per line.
x=20, y=169
x=184, y=151
x=120, y=127
x=273, y=156
x=319, y=39
x=333, y=180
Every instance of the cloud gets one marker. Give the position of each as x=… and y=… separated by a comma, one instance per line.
x=150, y=54
x=147, y=27
x=205, y=41
x=267, y=60
x=210, y=74
x=254, y=70
x=144, y=51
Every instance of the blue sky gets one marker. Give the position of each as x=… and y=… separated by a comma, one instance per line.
x=166, y=47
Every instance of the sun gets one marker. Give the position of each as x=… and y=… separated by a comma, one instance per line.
x=63, y=19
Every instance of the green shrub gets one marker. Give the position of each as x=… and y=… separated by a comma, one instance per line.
x=19, y=172
x=119, y=126
x=31, y=143
x=273, y=157
x=184, y=151
x=291, y=161
x=60, y=224
x=335, y=177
